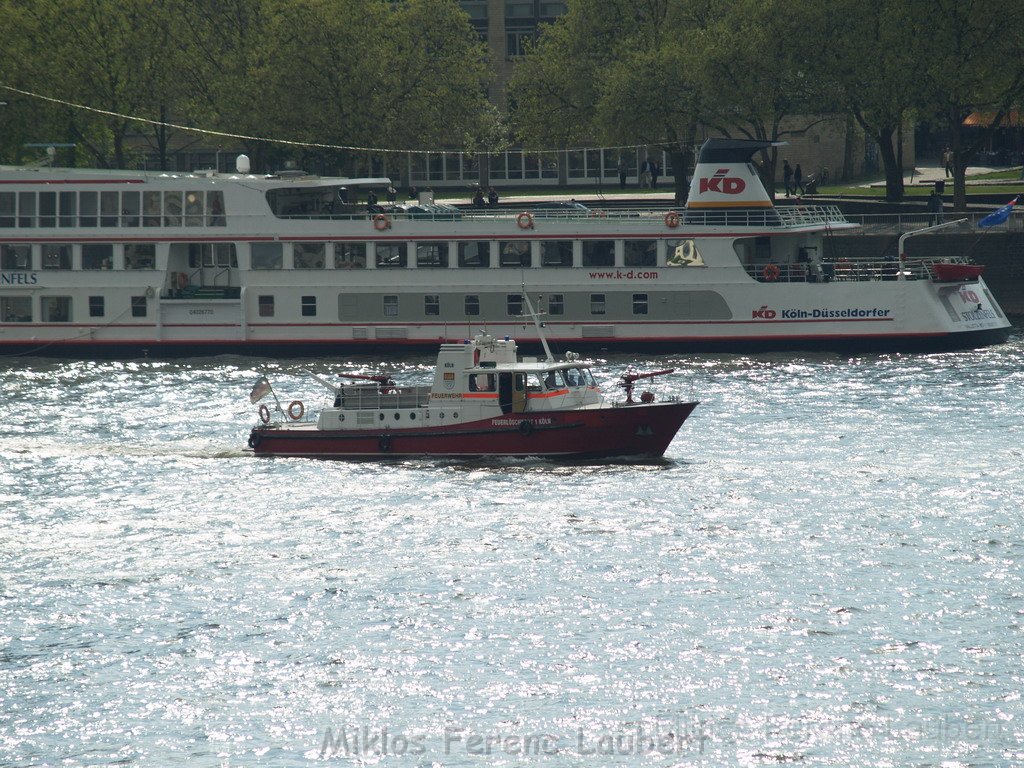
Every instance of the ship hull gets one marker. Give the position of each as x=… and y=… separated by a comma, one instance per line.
x=632, y=431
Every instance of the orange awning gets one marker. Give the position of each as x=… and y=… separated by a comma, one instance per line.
x=1011, y=119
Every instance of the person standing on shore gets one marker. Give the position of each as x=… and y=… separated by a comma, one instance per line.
x=787, y=175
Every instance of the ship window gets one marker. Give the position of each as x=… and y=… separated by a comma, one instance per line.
x=16, y=309
x=514, y=304
x=309, y=306
x=26, y=209
x=556, y=304
x=68, y=208
x=309, y=255
x=475, y=254
x=639, y=303
x=138, y=306
x=172, y=209
x=598, y=253
x=683, y=253
x=349, y=255
x=597, y=303
x=56, y=309
x=15, y=257
x=194, y=209
x=392, y=254
x=109, y=209
x=97, y=256
x=87, y=210
x=215, y=208
x=151, y=209
x=226, y=254
x=97, y=306
x=8, y=201
x=431, y=304
x=481, y=382
x=432, y=254
x=140, y=256
x=56, y=256
x=556, y=253
x=472, y=305
x=641, y=253
x=266, y=306
x=267, y=255
x=514, y=253
x=390, y=306
x=47, y=209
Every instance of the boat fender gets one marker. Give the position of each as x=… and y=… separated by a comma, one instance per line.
x=770, y=272
x=525, y=220
x=384, y=443
x=264, y=414
x=296, y=410
x=381, y=222
x=254, y=441
x=672, y=219
x=525, y=428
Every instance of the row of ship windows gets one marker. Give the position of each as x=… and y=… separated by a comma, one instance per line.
x=58, y=309
x=315, y=255
x=191, y=208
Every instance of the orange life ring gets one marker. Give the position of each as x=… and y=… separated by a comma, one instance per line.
x=381, y=222
x=598, y=214
x=525, y=220
x=182, y=280
x=296, y=409
x=771, y=272
x=264, y=414
x=672, y=219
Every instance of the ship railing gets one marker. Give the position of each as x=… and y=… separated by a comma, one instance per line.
x=370, y=397
x=886, y=224
x=842, y=270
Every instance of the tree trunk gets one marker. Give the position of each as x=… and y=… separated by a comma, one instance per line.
x=956, y=144
x=893, y=171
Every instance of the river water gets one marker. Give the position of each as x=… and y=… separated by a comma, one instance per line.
x=827, y=568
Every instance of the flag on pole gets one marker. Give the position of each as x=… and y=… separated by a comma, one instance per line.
x=260, y=390
x=998, y=216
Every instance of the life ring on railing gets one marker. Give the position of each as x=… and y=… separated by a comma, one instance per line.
x=525, y=220
x=672, y=219
x=381, y=222
x=598, y=213
x=525, y=428
x=182, y=281
x=264, y=414
x=771, y=272
x=296, y=410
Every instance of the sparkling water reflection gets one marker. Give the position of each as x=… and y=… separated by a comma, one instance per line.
x=826, y=568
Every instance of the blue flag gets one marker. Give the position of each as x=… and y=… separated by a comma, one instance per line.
x=999, y=216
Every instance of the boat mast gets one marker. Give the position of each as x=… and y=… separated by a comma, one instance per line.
x=535, y=316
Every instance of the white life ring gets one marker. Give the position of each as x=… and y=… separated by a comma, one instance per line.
x=264, y=414
x=381, y=222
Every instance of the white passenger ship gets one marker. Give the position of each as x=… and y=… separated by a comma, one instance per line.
x=127, y=262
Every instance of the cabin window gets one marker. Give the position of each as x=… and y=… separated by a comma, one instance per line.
x=349, y=255
x=129, y=209
x=641, y=253
x=309, y=306
x=26, y=209
x=56, y=256
x=472, y=305
x=194, y=209
x=432, y=254
x=16, y=309
x=309, y=255
x=514, y=253
x=138, y=306
x=477, y=254
x=481, y=382
x=579, y=377
x=597, y=304
x=598, y=253
x=15, y=257
x=56, y=309
x=683, y=253
x=97, y=306
x=431, y=304
x=267, y=255
x=639, y=303
x=87, y=209
x=68, y=208
x=556, y=253
x=151, y=209
x=390, y=306
x=392, y=254
x=556, y=304
x=8, y=204
x=140, y=256
x=47, y=209
x=172, y=209
x=514, y=304
x=266, y=306
x=97, y=256
x=215, y=208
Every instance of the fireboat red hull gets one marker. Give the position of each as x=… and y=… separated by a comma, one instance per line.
x=642, y=430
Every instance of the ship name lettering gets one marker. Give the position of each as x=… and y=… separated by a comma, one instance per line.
x=445, y=395
x=19, y=278
x=200, y=311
